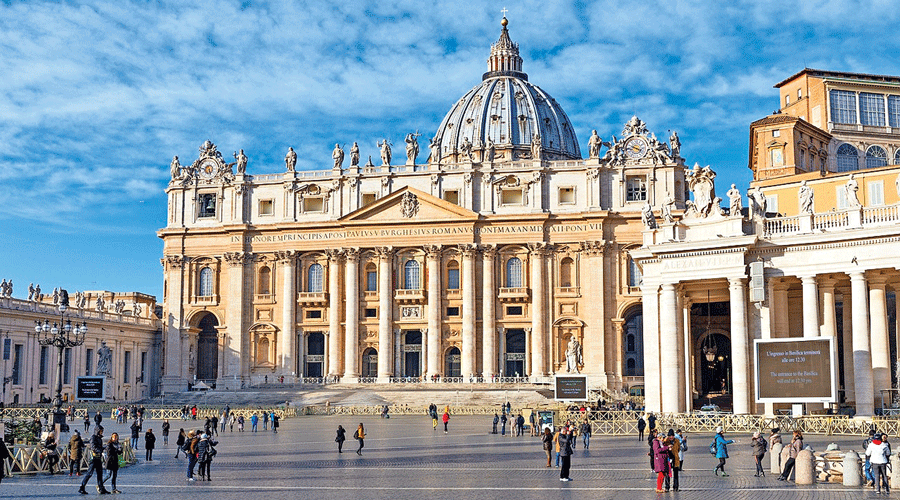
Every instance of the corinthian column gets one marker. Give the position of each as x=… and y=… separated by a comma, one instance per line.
x=332, y=358
x=351, y=327
x=467, y=365
x=538, y=310
x=238, y=339
x=881, y=348
x=862, y=356
x=288, y=308
x=433, y=265
x=810, y=306
x=668, y=341
x=740, y=351
x=173, y=379
x=385, y=314
x=488, y=319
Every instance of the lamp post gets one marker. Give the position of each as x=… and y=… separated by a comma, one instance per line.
x=61, y=335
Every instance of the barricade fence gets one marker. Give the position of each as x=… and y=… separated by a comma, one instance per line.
x=155, y=413
x=32, y=459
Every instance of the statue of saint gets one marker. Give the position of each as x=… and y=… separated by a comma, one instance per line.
x=31, y=291
x=9, y=289
x=734, y=201
x=536, y=147
x=175, y=168
x=412, y=147
x=573, y=356
x=757, y=202
x=338, y=156
x=104, y=359
x=805, y=194
x=647, y=216
x=290, y=160
x=385, y=148
x=674, y=145
x=55, y=295
x=241, y=162
x=489, y=151
x=666, y=210
x=594, y=144
x=354, y=155
x=852, y=188
x=435, y=146
x=466, y=148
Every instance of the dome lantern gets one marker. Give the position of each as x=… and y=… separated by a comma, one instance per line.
x=504, y=59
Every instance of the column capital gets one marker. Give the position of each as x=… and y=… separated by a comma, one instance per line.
x=237, y=259
x=432, y=251
x=174, y=261
x=468, y=250
x=539, y=248
x=334, y=254
x=286, y=256
x=351, y=254
x=592, y=248
x=877, y=278
x=384, y=253
x=668, y=287
x=737, y=281
x=489, y=251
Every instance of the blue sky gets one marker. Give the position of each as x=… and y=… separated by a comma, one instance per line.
x=96, y=97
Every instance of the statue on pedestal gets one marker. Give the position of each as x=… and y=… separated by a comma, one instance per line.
x=241, y=162
x=852, y=188
x=806, y=195
x=573, y=356
x=734, y=201
x=594, y=145
x=354, y=155
x=412, y=147
x=385, y=148
x=338, y=156
x=290, y=160
x=104, y=359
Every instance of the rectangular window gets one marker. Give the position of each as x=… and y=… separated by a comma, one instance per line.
x=126, y=373
x=635, y=188
x=452, y=196
x=566, y=196
x=512, y=197
x=843, y=106
x=777, y=157
x=840, y=193
x=453, y=279
x=207, y=205
x=368, y=199
x=635, y=278
x=894, y=110
x=17, y=365
x=370, y=313
x=372, y=281
x=7, y=345
x=266, y=207
x=871, y=109
x=143, y=367
x=42, y=372
x=88, y=361
x=67, y=366
x=787, y=100
x=452, y=311
x=776, y=133
x=772, y=203
x=876, y=192
x=313, y=205
x=513, y=310
x=314, y=314
x=799, y=94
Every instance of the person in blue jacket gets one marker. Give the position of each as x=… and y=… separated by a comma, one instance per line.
x=721, y=451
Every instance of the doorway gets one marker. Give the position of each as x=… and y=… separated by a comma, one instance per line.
x=412, y=353
x=208, y=349
x=515, y=353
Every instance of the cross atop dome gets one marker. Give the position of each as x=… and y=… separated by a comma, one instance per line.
x=504, y=59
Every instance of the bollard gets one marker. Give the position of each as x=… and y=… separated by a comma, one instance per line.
x=895, y=471
x=775, y=458
x=852, y=469
x=805, y=467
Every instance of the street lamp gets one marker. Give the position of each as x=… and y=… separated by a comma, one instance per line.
x=61, y=335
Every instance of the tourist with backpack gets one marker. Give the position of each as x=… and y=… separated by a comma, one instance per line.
x=760, y=446
x=360, y=435
x=878, y=454
x=719, y=448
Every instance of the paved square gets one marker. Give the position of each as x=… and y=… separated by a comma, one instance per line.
x=404, y=458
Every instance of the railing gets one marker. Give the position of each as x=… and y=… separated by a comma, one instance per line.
x=27, y=459
x=75, y=312
x=512, y=293
x=368, y=380
x=570, y=291
x=880, y=215
x=780, y=226
x=265, y=177
x=408, y=295
x=155, y=413
x=830, y=220
x=312, y=297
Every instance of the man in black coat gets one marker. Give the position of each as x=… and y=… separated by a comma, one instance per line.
x=96, y=463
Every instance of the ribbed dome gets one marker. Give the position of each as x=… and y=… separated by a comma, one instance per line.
x=509, y=111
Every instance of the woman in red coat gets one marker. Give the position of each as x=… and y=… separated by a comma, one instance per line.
x=661, y=462
x=446, y=420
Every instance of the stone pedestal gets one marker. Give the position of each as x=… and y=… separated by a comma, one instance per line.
x=775, y=458
x=805, y=467
x=852, y=469
x=895, y=471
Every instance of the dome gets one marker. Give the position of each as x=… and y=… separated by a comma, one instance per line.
x=509, y=111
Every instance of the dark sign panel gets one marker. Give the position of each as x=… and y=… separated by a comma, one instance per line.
x=795, y=370
x=91, y=389
x=571, y=388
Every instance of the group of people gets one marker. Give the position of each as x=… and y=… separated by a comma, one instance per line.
x=103, y=455
x=199, y=448
x=445, y=418
x=359, y=435
x=667, y=457
x=565, y=440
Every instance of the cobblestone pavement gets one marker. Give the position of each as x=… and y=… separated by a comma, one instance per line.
x=404, y=458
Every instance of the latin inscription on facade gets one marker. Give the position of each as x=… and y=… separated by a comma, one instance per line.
x=414, y=231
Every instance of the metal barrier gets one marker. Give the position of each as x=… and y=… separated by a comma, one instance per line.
x=28, y=459
x=171, y=413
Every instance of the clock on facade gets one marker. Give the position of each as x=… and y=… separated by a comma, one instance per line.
x=208, y=169
x=636, y=147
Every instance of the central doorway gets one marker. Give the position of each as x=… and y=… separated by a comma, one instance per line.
x=208, y=349
x=412, y=353
x=514, y=365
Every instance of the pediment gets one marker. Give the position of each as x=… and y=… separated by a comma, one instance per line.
x=410, y=205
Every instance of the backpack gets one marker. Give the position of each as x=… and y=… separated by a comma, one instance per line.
x=713, y=448
x=765, y=444
x=356, y=434
x=186, y=447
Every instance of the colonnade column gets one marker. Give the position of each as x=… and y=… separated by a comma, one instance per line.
x=385, y=314
x=172, y=380
x=862, y=357
x=650, y=310
x=810, y=306
x=849, y=377
x=288, y=308
x=829, y=319
x=538, y=310
x=351, y=326
x=740, y=351
x=687, y=348
x=467, y=363
x=433, y=266
x=782, y=317
x=332, y=357
x=488, y=319
x=668, y=341
x=598, y=352
x=880, y=349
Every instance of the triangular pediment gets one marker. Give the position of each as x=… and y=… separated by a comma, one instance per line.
x=410, y=205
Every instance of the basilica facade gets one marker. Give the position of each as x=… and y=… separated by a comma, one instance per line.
x=495, y=257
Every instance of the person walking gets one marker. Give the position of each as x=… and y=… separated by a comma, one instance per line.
x=179, y=442
x=360, y=435
x=682, y=447
x=274, y=423
x=661, y=462
x=793, y=449
x=254, y=421
x=759, y=446
x=520, y=425
x=96, y=466
x=87, y=423
x=434, y=417
x=165, y=432
x=231, y=421
x=641, y=425
x=651, y=422
x=4, y=454
x=340, y=437
x=547, y=443
x=532, y=420
x=651, y=438
x=265, y=419
x=565, y=450
x=240, y=422
x=867, y=466
x=446, y=420
x=149, y=444
x=135, y=434
x=496, y=421
x=76, y=453
x=98, y=418
x=113, y=452
x=675, y=454
x=585, y=431
x=721, y=451
x=556, y=436
x=878, y=454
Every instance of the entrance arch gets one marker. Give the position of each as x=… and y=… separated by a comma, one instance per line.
x=514, y=365
x=633, y=342
x=412, y=353
x=713, y=354
x=369, y=363
x=208, y=348
x=452, y=363
x=315, y=354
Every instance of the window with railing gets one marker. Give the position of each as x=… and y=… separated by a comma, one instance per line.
x=847, y=158
x=314, y=278
x=871, y=109
x=514, y=273
x=843, y=106
x=371, y=278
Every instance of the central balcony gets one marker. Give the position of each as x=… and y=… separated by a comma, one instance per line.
x=508, y=294
x=410, y=296
x=312, y=298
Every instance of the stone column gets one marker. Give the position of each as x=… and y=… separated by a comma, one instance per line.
x=650, y=310
x=351, y=327
x=847, y=306
x=385, y=314
x=595, y=352
x=740, y=351
x=332, y=357
x=288, y=308
x=862, y=358
x=687, y=352
x=668, y=344
x=829, y=319
x=433, y=265
x=810, y=307
x=173, y=380
x=238, y=338
x=880, y=349
x=467, y=362
x=488, y=319
x=780, y=302
x=538, y=311
x=679, y=350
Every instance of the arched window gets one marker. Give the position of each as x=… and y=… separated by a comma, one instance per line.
x=876, y=157
x=411, y=275
x=633, y=331
x=314, y=278
x=453, y=275
x=265, y=278
x=566, y=271
x=897, y=157
x=514, y=273
x=847, y=158
x=206, y=282
x=262, y=351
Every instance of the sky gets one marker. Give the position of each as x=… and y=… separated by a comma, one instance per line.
x=96, y=97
